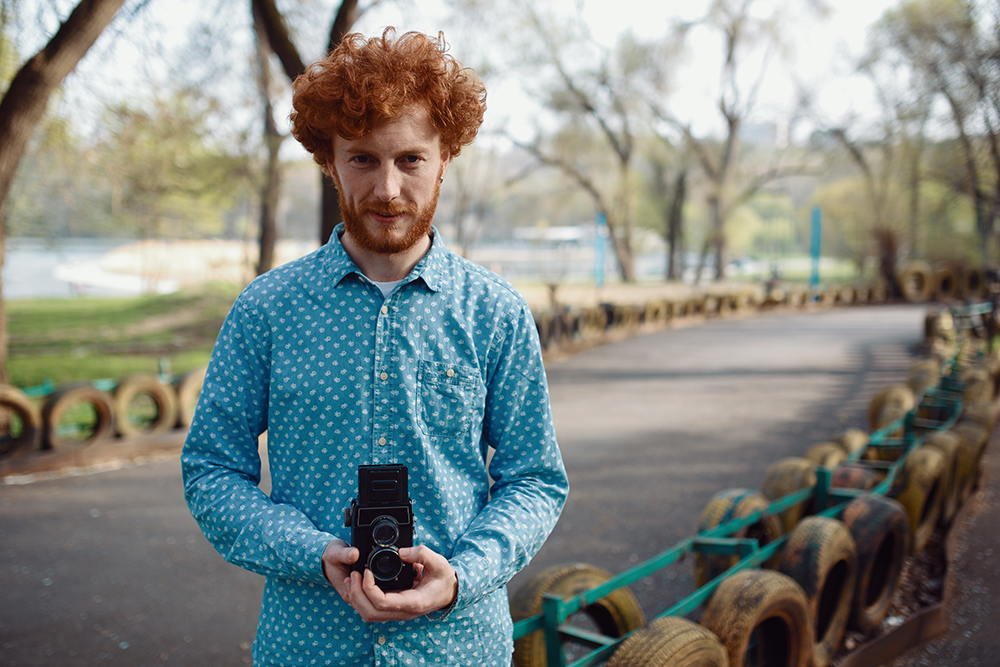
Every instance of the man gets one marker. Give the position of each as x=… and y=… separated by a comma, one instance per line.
x=382, y=347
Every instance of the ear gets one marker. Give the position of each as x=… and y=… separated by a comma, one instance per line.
x=445, y=161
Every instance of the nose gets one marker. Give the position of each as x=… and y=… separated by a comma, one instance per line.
x=387, y=185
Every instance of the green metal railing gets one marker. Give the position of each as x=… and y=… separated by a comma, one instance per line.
x=944, y=399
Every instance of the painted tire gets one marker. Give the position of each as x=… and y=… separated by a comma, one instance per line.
x=726, y=506
x=15, y=401
x=946, y=285
x=973, y=282
x=854, y=476
x=983, y=414
x=820, y=556
x=923, y=375
x=881, y=534
x=888, y=402
x=917, y=281
x=972, y=442
x=767, y=606
x=853, y=440
x=187, y=388
x=657, y=312
x=615, y=615
x=135, y=387
x=919, y=489
x=826, y=454
x=949, y=444
x=64, y=399
x=671, y=642
x=787, y=476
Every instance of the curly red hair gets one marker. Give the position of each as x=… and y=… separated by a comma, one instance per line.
x=365, y=83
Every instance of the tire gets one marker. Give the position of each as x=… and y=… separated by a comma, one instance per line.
x=784, y=477
x=949, y=444
x=671, y=642
x=61, y=401
x=918, y=487
x=656, y=312
x=881, y=536
x=820, y=556
x=972, y=441
x=13, y=400
x=615, y=615
x=853, y=440
x=880, y=410
x=187, y=388
x=946, y=285
x=924, y=374
x=853, y=476
x=136, y=386
x=768, y=606
x=726, y=506
x=826, y=454
x=983, y=414
x=973, y=282
x=917, y=281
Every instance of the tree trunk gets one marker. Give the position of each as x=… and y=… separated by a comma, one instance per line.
x=718, y=237
x=281, y=43
x=271, y=190
x=24, y=103
x=675, y=229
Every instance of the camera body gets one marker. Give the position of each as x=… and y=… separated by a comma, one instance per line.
x=381, y=522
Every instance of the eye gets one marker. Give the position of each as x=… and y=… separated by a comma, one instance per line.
x=411, y=159
x=362, y=159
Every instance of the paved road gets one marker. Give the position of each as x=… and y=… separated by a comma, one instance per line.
x=110, y=568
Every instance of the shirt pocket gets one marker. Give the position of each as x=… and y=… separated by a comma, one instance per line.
x=447, y=398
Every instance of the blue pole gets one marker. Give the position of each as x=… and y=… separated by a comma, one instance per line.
x=814, y=246
x=600, y=245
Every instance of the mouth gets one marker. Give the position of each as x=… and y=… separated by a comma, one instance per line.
x=387, y=215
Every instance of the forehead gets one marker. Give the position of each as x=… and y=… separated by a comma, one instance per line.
x=411, y=130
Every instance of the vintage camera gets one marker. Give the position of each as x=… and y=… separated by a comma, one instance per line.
x=381, y=522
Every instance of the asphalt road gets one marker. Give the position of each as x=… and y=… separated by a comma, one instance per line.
x=110, y=567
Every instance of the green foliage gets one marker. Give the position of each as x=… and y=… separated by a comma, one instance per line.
x=66, y=340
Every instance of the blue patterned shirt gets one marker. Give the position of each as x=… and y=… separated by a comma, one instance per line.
x=437, y=376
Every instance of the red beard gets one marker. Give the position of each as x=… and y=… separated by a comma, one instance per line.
x=384, y=240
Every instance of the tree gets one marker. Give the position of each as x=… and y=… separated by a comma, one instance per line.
x=280, y=41
x=956, y=50
x=595, y=99
x=732, y=178
x=24, y=103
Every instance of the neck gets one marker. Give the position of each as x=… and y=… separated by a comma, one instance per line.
x=385, y=267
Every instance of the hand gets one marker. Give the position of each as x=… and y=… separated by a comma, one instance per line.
x=338, y=557
x=435, y=586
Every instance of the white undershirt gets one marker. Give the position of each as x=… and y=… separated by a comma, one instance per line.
x=386, y=287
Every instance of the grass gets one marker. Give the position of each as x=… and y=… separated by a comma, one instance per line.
x=83, y=339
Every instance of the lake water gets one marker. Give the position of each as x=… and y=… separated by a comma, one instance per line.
x=30, y=267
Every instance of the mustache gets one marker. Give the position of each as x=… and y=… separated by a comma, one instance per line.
x=388, y=209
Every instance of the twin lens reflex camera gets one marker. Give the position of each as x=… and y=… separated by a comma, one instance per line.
x=381, y=522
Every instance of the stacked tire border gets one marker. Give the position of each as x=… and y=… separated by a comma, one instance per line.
x=784, y=571
x=566, y=329
x=41, y=443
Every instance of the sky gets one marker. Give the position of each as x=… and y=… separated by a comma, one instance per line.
x=820, y=46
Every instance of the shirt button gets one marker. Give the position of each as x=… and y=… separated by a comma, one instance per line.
x=385, y=309
x=381, y=641
x=384, y=376
x=381, y=441
x=450, y=373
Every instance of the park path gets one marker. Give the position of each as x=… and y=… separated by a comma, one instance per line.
x=111, y=568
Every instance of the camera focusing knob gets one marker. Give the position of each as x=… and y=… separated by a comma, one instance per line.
x=348, y=515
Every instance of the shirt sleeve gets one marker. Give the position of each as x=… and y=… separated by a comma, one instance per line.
x=221, y=464
x=530, y=484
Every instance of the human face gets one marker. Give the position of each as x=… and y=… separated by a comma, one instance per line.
x=388, y=182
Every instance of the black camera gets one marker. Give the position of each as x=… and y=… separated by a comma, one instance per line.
x=381, y=522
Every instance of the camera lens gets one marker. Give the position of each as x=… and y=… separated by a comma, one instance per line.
x=385, y=564
x=385, y=531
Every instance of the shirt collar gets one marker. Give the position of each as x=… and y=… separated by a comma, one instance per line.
x=429, y=268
